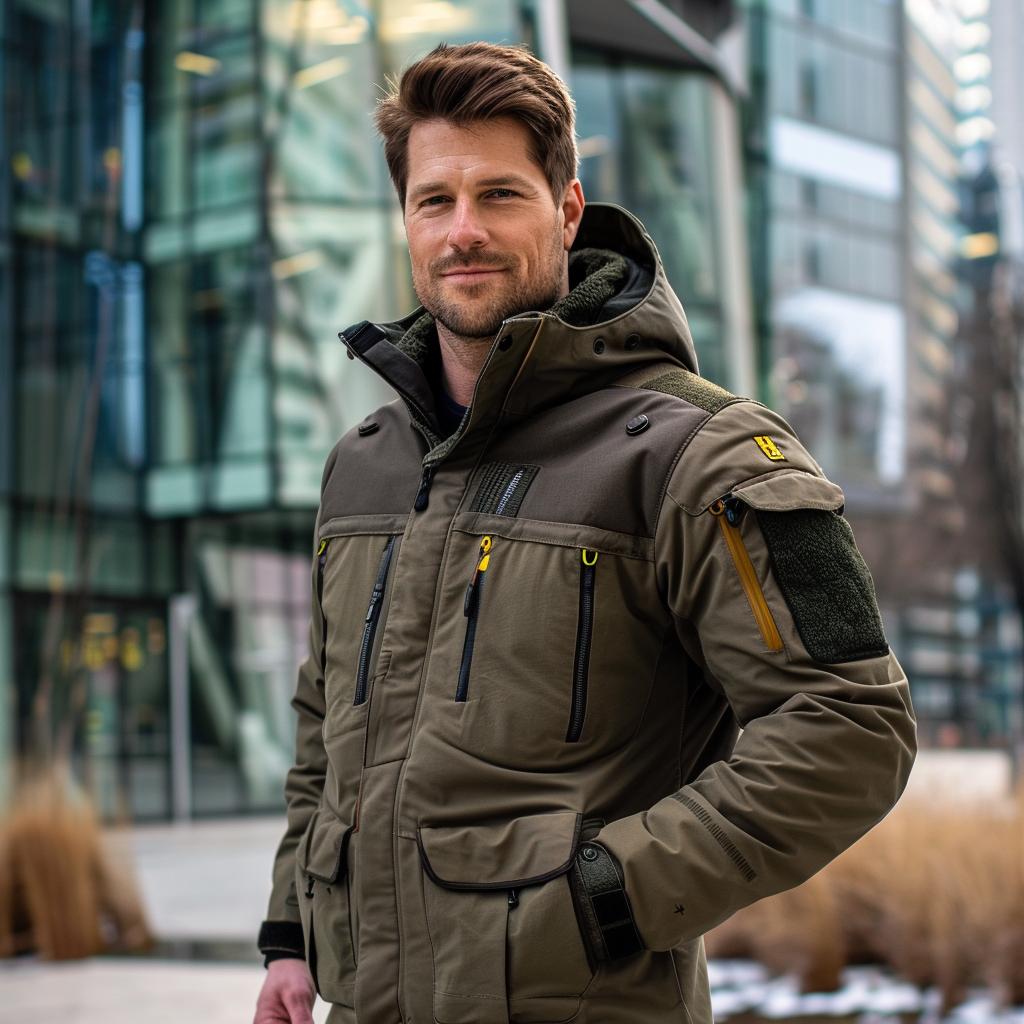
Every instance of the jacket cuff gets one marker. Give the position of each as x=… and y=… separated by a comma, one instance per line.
x=281, y=937
x=602, y=904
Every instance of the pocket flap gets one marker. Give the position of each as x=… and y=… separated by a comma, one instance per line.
x=785, y=492
x=322, y=850
x=507, y=855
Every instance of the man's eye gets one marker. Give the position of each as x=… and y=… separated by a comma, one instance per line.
x=503, y=193
x=435, y=200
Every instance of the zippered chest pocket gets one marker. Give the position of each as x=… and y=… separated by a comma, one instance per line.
x=353, y=582
x=543, y=654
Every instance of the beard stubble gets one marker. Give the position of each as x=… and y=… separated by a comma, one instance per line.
x=473, y=322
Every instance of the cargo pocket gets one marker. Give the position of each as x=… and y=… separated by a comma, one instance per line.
x=503, y=931
x=322, y=876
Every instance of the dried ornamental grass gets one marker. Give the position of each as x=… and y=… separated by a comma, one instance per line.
x=61, y=895
x=935, y=894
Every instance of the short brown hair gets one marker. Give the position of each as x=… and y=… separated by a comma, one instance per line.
x=482, y=82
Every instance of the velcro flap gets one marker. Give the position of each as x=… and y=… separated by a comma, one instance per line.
x=506, y=855
x=322, y=851
x=788, y=491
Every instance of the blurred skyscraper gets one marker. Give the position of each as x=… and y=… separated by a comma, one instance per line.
x=192, y=204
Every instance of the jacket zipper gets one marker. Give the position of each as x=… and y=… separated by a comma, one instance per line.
x=729, y=512
x=584, y=635
x=321, y=565
x=471, y=609
x=509, y=491
x=372, y=618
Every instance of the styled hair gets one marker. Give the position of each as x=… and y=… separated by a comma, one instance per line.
x=482, y=82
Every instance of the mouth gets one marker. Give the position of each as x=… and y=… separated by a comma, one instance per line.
x=472, y=275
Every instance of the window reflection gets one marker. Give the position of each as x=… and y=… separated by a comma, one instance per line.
x=646, y=139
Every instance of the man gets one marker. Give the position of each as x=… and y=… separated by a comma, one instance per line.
x=553, y=581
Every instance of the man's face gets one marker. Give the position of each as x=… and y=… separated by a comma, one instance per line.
x=486, y=238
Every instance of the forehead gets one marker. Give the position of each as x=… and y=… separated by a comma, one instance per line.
x=440, y=147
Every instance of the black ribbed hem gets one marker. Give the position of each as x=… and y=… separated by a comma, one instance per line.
x=282, y=937
x=281, y=954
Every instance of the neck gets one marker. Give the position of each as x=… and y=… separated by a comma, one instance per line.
x=462, y=359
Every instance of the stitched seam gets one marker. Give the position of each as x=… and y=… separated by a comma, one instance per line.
x=718, y=834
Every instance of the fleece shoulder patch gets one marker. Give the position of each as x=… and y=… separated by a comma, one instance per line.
x=826, y=584
x=693, y=389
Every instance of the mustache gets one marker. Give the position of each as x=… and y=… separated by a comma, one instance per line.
x=482, y=258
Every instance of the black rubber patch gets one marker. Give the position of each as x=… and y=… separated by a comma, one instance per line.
x=825, y=583
x=693, y=389
x=502, y=488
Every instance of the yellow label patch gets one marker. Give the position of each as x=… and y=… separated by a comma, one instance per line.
x=769, y=447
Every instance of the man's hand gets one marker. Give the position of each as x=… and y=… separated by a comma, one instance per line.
x=287, y=995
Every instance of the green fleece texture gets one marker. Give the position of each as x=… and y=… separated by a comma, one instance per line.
x=595, y=275
x=693, y=389
x=416, y=341
x=826, y=584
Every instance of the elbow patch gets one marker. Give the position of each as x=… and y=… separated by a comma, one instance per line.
x=826, y=584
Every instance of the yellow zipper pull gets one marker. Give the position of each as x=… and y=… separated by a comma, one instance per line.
x=729, y=513
x=483, y=561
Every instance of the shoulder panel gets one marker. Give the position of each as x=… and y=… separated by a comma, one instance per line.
x=744, y=444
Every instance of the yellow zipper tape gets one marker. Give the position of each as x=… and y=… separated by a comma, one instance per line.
x=748, y=577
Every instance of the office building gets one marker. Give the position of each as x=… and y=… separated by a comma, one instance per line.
x=192, y=204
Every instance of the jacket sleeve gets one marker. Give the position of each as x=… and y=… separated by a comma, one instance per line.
x=281, y=933
x=827, y=739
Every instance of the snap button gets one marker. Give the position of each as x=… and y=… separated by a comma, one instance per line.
x=638, y=424
x=365, y=429
x=505, y=343
x=599, y=346
x=632, y=341
x=589, y=853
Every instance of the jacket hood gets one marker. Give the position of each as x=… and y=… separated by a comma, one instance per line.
x=620, y=315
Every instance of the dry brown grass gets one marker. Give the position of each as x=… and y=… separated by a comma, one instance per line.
x=61, y=893
x=936, y=894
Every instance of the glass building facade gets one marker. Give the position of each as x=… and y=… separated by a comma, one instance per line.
x=826, y=140
x=192, y=204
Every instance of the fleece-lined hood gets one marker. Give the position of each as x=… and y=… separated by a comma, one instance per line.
x=620, y=315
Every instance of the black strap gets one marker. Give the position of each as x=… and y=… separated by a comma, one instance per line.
x=608, y=900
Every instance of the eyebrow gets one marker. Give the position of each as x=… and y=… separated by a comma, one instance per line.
x=502, y=181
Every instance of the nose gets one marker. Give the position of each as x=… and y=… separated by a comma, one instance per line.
x=466, y=230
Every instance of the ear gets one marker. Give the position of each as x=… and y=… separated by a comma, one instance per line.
x=572, y=212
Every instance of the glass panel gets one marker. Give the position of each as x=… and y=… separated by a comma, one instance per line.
x=645, y=139
x=821, y=79
x=95, y=689
x=409, y=28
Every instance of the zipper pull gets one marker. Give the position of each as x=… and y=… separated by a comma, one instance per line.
x=513, y=899
x=481, y=566
x=375, y=597
x=423, y=494
x=731, y=507
x=592, y=561
x=309, y=887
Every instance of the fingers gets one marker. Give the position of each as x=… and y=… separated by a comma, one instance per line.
x=299, y=1006
x=286, y=997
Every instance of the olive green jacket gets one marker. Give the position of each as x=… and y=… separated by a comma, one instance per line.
x=586, y=677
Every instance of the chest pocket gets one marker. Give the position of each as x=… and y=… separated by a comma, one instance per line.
x=543, y=652
x=353, y=578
